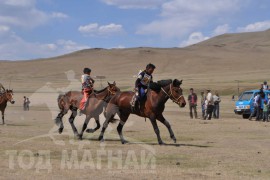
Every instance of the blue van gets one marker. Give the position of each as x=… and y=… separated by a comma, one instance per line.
x=244, y=105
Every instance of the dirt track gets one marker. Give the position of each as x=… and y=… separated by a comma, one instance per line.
x=230, y=148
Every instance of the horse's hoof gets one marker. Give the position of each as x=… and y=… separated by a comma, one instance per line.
x=124, y=142
x=161, y=143
x=79, y=136
x=60, y=130
x=100, y=138
x=90, y=130
x=174, y=139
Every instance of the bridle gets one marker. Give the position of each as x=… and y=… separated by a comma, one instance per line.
x=171, y=96
x=109, y=93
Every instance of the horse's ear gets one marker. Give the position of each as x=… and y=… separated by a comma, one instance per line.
x=181, y=82
x=109, y=84
x=114, y=83
x=177, y=83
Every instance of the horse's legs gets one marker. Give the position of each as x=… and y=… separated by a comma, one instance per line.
x=96, y=128
x=59, y=122
x=3, y=116
x=123, y=119
x=87, y=119
x=155, y=126
x=110, y=113
x=105, y=125
x=71, y=120
x=167, y=124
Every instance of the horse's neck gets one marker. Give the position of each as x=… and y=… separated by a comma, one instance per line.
x=163, y=97
x=102, y=94
x=2, y=99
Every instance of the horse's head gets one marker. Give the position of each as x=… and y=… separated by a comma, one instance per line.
x=9, y=96
x=112, y=88
x=177, y=93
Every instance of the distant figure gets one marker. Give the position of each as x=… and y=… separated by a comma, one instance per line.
x=24, y=103
x=203, y=103
x=233, y=98
x=27, y=104
x=265, y=85
x=257, y=107
x=265, y=110
x=261, y=88
x=192, y=99
x=210, y=105
x=217, y=100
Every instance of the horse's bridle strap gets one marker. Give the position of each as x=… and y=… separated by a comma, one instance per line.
x=171, y=96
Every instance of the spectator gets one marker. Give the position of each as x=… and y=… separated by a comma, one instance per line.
x=257, y=107
x=24, y=103
x=265, y=85
x=261, y=88
x=233, y=98
x=27, y=104
x=192, y=99
x=210, y=105
x=265, y=111
x=217, y=100
x=203, y=103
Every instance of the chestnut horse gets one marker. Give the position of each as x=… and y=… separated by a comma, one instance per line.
x=5, y=97
x=152, y=108
x=95, y=105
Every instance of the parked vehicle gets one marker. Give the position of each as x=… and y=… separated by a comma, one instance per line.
x=244, y=106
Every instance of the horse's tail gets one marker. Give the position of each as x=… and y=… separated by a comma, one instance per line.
x=60, y=99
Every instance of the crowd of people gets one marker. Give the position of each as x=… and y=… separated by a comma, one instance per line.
x=209, y=104
x=261, y=104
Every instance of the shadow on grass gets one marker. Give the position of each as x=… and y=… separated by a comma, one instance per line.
x=153, y=144
x=17, y=125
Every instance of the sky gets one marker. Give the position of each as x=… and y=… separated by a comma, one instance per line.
x=31, y=29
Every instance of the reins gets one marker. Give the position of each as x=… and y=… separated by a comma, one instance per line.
x=171, y=96
x=109, y=92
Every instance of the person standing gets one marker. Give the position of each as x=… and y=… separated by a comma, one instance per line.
x=192, y=99
x=265, y=111
x=210, y=105
x=24, y=103
x=265, y=85
x=27, y=104
x=217, y=100
x=257, y=107
x=203, y=103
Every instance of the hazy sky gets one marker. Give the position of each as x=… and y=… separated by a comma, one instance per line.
x=45, y=28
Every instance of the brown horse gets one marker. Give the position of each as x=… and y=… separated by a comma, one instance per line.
x=94, y=107
x=151, y=108
x=5, y=97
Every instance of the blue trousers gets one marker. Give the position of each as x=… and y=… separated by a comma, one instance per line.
x=142, y=93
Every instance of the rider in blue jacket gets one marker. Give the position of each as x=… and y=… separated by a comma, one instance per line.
x=142, y=82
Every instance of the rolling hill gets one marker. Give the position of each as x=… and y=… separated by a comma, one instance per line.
x=215, y=63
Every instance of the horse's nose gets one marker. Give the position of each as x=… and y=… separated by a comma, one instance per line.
x=183, y=104
x=12, y=102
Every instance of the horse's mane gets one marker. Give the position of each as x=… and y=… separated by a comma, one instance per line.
x=100, y=91
x=156, y=86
